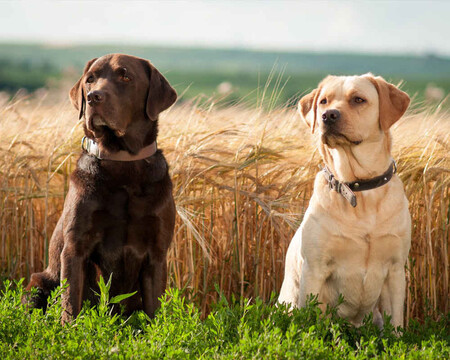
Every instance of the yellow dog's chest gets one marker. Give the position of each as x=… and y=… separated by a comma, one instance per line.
x=357, y=269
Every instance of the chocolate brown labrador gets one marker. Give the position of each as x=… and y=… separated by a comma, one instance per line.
x=119, y=213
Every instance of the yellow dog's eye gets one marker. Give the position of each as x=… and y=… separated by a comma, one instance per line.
x=90, y=79
x=323, y=101
x=358, y=100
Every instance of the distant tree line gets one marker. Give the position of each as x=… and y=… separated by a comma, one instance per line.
x=25, y=75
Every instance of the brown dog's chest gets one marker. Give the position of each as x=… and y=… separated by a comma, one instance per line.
x=126, y=224
x=127, y=209
x=126, y=232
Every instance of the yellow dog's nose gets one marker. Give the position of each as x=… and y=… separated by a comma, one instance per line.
x=331, y=116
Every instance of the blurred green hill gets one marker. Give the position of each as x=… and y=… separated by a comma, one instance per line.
x=201, y=71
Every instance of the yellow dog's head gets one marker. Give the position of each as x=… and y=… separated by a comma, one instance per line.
x=348, y=110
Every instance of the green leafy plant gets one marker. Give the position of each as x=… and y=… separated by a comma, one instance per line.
x=234, y=329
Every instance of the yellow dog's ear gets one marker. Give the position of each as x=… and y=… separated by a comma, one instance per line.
x=393, y=102
x=307, y=107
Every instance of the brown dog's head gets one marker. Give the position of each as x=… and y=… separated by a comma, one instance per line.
x=349, y=110
x=117, y=91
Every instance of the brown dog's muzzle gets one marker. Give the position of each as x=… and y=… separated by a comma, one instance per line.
x=96, y=116
x=95, y=97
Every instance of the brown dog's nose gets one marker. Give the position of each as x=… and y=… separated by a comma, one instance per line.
x=331, y=116
x=95, y=97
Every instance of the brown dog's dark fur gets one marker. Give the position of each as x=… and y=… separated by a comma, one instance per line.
x=118, y=217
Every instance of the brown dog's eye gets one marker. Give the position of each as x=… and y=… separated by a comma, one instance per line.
x=123, y=74
x=323, y=101
x=358, y=100
x=90, y=79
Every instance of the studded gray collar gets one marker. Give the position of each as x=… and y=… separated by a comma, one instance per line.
x=346, y=189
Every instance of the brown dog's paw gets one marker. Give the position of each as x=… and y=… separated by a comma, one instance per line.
x=36, y=299
x=43, y=286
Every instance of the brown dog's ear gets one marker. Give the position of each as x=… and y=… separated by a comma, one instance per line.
x=393, y=102
x=76, y=93
x=308, y=109
x=160, y=94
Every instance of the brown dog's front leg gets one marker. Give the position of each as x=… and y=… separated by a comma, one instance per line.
x=72, y=269
x=153, y=284
x=78, y=245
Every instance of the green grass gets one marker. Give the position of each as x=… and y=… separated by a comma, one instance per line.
x=230, y=331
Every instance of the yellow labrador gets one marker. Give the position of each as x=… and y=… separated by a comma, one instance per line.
x=356, y=233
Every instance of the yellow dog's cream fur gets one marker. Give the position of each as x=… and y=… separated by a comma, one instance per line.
x=357, y=252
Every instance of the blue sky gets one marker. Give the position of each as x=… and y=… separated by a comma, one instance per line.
x=358, y=26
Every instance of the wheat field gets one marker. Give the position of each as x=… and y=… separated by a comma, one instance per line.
x=242, y=177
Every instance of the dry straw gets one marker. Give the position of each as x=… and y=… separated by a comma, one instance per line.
x=242, y=179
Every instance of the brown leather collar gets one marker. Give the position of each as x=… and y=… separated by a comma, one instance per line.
x=346, y=188
x=92, y=148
